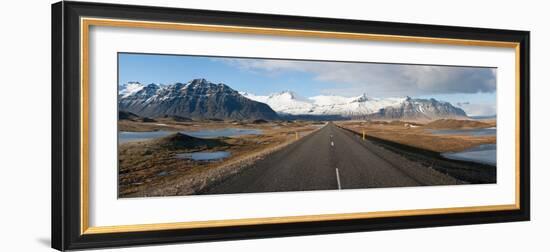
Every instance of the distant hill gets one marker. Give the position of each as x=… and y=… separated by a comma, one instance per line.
x=456, y=124
x=183, y=141
x=484, y=117
x=177, y=118
x=125, y=115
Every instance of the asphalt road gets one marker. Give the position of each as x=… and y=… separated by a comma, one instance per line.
x=330, y=159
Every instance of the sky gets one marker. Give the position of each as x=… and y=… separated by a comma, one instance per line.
x=473, y=88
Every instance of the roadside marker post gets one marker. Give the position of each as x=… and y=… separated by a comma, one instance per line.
x=364, y=135
x=296, y=135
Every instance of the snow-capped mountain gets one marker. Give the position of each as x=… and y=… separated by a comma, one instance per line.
x=421, y=109
x=198, y=98
x=288, y=103
x=202, y=99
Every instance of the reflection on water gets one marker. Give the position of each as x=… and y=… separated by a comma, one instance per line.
x=485, y=153
x=204, y=156
x=471, y=132
x=125, y=136
x=228, y=132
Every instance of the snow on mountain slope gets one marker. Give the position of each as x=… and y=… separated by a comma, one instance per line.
x=351, y=106
x=130, y=88
x=327, y=100
x=288, y=102
x=197, y=99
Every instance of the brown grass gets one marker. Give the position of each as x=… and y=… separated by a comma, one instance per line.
x=149, y=168
x=419, y=136
x=459, y=124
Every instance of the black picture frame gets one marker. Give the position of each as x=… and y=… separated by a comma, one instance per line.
x=66, y=114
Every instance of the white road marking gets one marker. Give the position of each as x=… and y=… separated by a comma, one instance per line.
x=332, y=143
x=338, y=179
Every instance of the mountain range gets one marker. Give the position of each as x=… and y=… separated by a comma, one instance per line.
x=201, y=99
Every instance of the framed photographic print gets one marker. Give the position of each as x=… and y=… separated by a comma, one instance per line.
x=179, y=125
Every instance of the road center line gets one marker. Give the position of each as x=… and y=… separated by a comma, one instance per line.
x=338, y=179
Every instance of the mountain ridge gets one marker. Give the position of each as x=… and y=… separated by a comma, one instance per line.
x=361, y=107
x=202, y=99
x=197, y=99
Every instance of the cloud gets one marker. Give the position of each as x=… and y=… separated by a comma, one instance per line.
x=477, y=109
x=381, y=79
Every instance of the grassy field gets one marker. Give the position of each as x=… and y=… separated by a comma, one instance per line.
x=420, y=136
x=150, y=168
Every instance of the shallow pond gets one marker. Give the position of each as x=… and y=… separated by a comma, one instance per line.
x=204, y=156
x=471, y=132
x=485, y=153
x=227, y=132
x=125, y=136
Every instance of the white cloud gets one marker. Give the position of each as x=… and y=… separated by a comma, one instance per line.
x=478, y=109
x=381, y=79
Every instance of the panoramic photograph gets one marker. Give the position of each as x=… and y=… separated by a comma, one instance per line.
x=198, y=125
